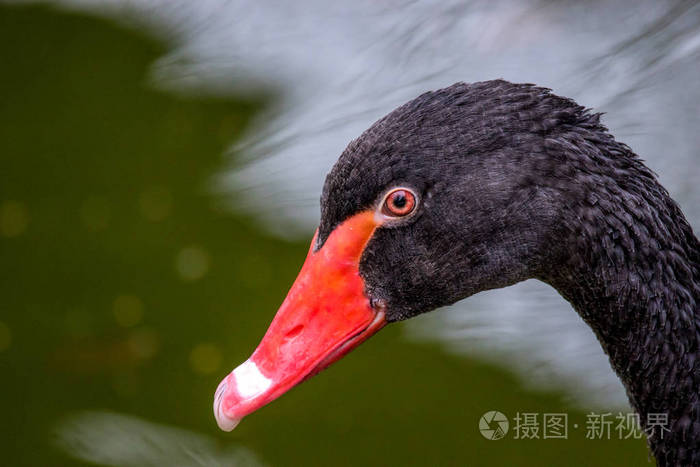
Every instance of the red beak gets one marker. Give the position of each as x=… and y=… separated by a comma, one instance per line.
x=325, y=315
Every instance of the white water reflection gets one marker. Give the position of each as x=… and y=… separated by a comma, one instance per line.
x=531, y=330
x=102, y=438
x=339, y=67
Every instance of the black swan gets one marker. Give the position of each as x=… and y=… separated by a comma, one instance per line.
x=479, y=186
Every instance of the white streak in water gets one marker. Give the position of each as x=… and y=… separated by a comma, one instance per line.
x=119, y=440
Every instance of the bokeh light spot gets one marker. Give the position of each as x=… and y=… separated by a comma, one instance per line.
x=13, y=218
x=128, y=310
x=205, y=358
x=156, y=203
x=95, y=213
x=5, y=337
x=143, y=343
x=192, y=263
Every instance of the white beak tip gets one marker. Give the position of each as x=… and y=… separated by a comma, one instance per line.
x=224, y=422
x=227, y=424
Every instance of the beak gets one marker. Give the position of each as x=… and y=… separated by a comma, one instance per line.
x=325, y=315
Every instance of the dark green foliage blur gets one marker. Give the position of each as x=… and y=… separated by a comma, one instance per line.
x=125, y=287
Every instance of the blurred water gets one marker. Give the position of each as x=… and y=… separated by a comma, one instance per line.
x=103, y=437
x=125, y=287
x=337, y=67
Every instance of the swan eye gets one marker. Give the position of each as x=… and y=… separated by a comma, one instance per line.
x=399, y=202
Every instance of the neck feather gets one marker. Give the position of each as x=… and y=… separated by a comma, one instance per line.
x=634, y=277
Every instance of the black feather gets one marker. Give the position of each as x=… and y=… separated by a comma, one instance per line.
x=517, y=183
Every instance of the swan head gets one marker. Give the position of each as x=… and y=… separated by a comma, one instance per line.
x=460, y=190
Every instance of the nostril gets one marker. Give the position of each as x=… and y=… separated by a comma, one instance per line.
x=294, y=332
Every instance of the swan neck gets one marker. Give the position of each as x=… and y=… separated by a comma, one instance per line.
x=634, y=277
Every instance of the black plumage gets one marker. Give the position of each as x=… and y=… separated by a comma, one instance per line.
x=516, y=183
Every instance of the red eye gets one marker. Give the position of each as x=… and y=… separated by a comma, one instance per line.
x=398, y=203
